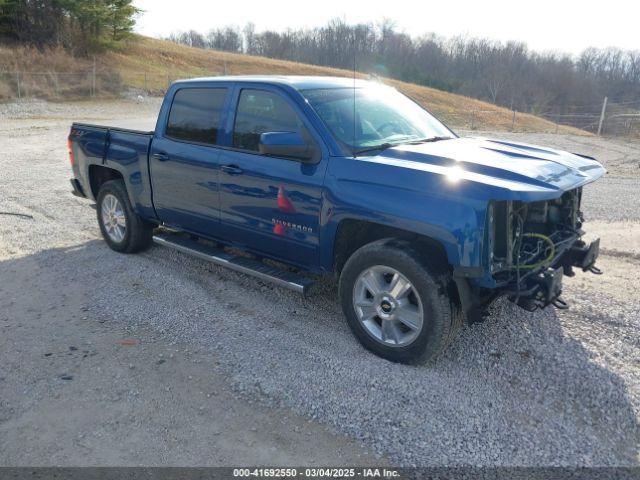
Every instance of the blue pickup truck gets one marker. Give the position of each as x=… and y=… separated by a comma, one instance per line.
x=330, y=176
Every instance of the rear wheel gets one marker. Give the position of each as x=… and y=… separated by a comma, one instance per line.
x=122, y=229
x=397, y=302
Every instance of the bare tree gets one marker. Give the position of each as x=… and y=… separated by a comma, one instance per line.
x=504, y=73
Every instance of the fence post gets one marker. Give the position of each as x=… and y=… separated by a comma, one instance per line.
x=93, y=78
x=473, y=115
x=168, y=81
x=146, y=89
x=18, y=85
x=513, y=121
x=602, y=114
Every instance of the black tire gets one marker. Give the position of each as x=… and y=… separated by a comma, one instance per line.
x=138, y=233
x=430, y=277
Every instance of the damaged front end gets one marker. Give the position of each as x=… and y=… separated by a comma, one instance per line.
x=532, y=245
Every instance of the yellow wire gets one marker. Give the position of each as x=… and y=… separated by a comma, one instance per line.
x=549, y=257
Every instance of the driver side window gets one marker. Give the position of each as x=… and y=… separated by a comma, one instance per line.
x=261, y=111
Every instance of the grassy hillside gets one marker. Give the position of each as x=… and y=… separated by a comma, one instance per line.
x=152, y=63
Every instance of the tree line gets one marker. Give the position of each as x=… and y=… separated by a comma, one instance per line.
x=504, y=73
x=80, y=26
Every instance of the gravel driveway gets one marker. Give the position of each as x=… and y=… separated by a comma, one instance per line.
x=549, y=388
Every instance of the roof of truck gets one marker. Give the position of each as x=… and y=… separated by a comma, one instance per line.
x=298, y=82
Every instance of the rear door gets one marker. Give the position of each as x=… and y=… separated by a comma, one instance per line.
x=269, y=204
x=184, y=159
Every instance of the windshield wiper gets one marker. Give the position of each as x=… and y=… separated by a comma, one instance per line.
x=386, y=145
x=380, y=147
x=428, y=140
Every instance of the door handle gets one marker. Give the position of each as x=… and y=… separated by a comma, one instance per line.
x=160, y=156
x=231, y=169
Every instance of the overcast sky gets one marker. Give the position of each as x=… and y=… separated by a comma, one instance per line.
x=565, y=25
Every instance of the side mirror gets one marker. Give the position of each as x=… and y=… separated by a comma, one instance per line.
x=286, y=144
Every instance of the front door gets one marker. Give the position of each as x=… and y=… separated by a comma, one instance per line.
x=268, y=204
x=184, y=161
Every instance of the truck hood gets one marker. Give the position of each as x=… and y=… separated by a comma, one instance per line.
x=506, y=165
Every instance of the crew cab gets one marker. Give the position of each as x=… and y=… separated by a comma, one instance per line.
x=329, y=176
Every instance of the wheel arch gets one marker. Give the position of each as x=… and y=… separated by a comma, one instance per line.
x=132, y=182
x=99, y=174
x=351, y=234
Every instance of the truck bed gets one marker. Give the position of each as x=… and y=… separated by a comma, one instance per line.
x=143, y=125
x=119, y=148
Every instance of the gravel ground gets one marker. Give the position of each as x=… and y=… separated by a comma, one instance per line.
x=549, y=388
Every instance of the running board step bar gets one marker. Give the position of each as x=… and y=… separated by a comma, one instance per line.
x=258, y=269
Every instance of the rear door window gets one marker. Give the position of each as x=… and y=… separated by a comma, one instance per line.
x=195, y=115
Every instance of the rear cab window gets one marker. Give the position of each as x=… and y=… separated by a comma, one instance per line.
x=195, y=115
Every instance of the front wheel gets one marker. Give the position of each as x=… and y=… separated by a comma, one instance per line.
x=396, y=301
x=122, y=229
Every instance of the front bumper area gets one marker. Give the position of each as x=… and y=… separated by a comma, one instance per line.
x=582, y=255
x=531, y=290
x=544, y=288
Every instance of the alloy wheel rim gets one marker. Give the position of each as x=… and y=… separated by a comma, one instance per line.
x=388, y=306
x=113, y=218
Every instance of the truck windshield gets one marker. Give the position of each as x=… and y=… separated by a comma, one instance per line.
x=380, y=118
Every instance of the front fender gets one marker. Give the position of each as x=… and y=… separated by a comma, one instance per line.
x=457, y=224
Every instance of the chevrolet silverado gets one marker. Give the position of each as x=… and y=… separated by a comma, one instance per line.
x=329, y=176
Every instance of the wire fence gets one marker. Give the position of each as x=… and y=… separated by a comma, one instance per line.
x=614, y=119
x=80, y=85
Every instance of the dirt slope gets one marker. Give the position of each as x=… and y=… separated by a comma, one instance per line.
x=153, y=63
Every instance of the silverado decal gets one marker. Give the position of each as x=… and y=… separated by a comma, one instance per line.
x=295, y=226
